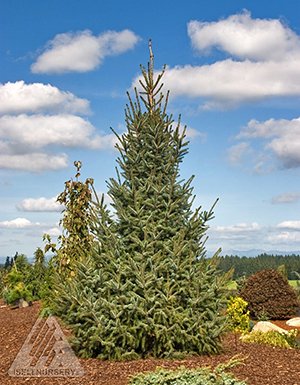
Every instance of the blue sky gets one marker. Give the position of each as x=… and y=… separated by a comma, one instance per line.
x=233, y=70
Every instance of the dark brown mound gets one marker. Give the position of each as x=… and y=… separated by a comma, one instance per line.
x=269, y=292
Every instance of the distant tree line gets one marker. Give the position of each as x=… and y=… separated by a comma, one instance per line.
x=246, y=266
x=9, y=262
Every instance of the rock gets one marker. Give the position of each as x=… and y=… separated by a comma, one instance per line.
x=294, y=322
x=22, y=303
x=264, y=326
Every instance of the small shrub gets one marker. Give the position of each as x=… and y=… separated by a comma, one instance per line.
x=297, y=287
x=262, y=316
x=283, y=271
x=231, y=293
x=240, y=283
x=269, y=292
x=183, y=376
x=238, y=315
x=274, y=338
x=11, y=296
x=5, y=296
x=24, y=280
x=251, y=324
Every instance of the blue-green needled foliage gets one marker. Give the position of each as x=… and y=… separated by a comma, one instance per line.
x=147, y=288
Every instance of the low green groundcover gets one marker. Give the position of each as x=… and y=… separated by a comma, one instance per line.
x=183, y=376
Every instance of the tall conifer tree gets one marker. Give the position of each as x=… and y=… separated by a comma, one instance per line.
x=148, y=290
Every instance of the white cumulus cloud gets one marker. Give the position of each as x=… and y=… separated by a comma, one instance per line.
x=18, y=223
x=191, y=133
x=291, y=225
x=237, y=152
x=37, y=120
x=53, y=232
x=36, y=131
x=239, y=228
x=242, y=236
x=40, y=205
x=227, y=83
x=19, y=97
x=263, y=63
x=281, y=140
x=26, y=141
x=246, y=38
x=82, y=51
x=285, y=238
x=33, y=162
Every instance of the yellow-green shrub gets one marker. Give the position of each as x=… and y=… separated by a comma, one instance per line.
x=274, y=338
x=238, y=315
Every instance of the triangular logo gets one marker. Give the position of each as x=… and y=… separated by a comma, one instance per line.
x=46, y=353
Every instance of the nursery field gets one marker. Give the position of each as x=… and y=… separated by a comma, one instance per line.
x=263, y=365
x=233, y=285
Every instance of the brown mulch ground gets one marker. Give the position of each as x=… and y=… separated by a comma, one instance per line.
x=264, y=365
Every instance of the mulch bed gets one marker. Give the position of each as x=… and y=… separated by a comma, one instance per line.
x=263, y=366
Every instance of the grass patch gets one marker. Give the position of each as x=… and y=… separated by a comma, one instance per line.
x=232, y=285
x=293, y=282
